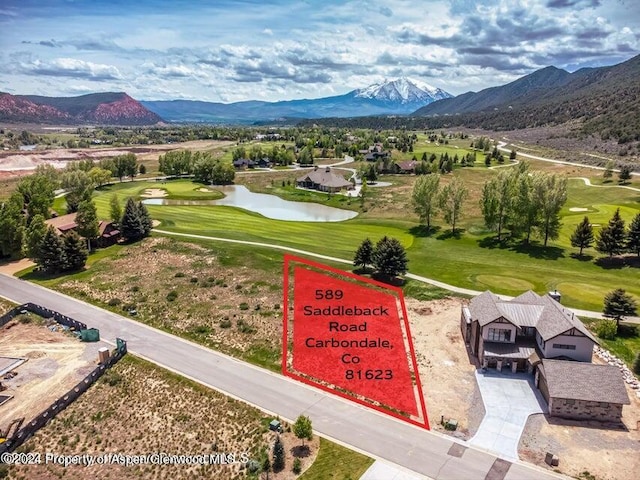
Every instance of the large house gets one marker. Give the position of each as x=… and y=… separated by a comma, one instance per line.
x=108, y=234
x=533, y=332
x=517, y=333
x=323, y=179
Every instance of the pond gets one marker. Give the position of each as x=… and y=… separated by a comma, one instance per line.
x=267, y=205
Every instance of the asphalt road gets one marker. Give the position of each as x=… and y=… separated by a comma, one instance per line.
x=363, y=429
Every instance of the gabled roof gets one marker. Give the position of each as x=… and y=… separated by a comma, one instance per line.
x=325, y=177
x=544, y=313
x=63, y=223
x=585, y=381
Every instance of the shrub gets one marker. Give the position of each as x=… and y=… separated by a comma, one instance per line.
x=172, y=295
x=194, y=280
x=202, y=329
x=297, y=466
x=606, y=329
x=135, y=288
x=636, y=364
x=179, y=275
x=245, y=327
x=225, y=323
x=114, y=302
x=276, y=306
x=244, y=306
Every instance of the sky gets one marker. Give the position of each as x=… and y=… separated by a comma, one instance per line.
x=234, y=50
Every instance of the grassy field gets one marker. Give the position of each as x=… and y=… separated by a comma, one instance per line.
x=471, y=260
x=626, y=345
x=335, y=462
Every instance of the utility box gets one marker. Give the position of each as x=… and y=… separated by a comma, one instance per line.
x=103, y=355
x=275, y=426
x=90, y=335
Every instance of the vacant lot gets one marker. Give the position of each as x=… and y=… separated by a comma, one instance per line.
x=446, y=373
x=56, y=361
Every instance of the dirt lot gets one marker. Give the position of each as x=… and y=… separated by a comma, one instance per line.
x=446, y=373
x=138, y=409
x=604, y=451
x=56, y=362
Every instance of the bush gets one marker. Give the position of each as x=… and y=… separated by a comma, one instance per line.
x=194, y=280
x=114, y=302
x=179, y=275
x=636, y=364
x=244, y=306
x=297, y=466
x=606, y=329
x=135, y=288
x=225, y=323
x=172, y=295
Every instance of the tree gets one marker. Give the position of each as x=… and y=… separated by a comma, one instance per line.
x=364, y=254
x=512, y=155
x=78, y=185
x=87, y=221
x=425, y=197
x=142, y=169
x=75, y=253
x=372, y=174
x=37, y=191
x=524, y=211
x=611, y=239
x=618, y=304
x=364, y=190
x=495, y=204
x=116, y=209
x=52, y=258
x=636, y=364
x=99, y=176
x=582, y=236
x=12, y=223
x=278, y=455
x=33, y=237
x=302, y=428
x=625, y=173
x=131, y=225
x=633, y=235
x=266, y=464
x=147, y=222
x=390, y=258
x=211, y=170
x=125, y=165
x=549, y=194
x=451, y=199
x=608, y=170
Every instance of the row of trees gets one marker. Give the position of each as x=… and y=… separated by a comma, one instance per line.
x=613, y=239
x=524, y=202
x=429, y=199
x=202, y=165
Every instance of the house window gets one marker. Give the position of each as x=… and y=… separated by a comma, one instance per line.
x=563, y=346
x=499, y=335
x=604, y=404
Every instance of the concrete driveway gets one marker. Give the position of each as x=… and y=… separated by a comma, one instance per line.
x=509, y=399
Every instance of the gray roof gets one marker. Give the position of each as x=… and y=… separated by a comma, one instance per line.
x=521, y=349
x=585, y=381
x=325, y=177
x=548, y=316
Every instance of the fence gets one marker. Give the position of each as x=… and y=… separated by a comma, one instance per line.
x=43, y=312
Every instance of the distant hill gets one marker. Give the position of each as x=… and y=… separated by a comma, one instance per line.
x=111, y=108
x=606, y=100
x=400, y=96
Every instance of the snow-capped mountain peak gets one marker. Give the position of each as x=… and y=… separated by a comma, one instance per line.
x=402, y=90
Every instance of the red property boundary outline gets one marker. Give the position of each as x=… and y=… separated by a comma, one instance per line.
x=288, y=258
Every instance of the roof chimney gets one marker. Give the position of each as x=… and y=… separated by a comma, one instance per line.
x=328, y=169
x=555, y=295
x=315, y=168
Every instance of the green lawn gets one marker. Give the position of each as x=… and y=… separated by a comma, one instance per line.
x=337, y=463
x=472, y=260
x=626, y=345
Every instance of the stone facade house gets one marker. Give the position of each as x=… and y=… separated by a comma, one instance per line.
x=582, y=391
x=518, y=333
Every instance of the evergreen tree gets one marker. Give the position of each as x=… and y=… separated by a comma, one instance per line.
x=33, y=237
x=636, y=364
x=390, y=258
x=278, y=455
x=611, y=239
x=52, y=258
x=132, y=226
x=75, y=252
x=618, y=304
x=625, y=173
x=633, y=235
x=512, y=155
x=87, y=221
x=364, y=254
x=582, y=236
x=145, y=218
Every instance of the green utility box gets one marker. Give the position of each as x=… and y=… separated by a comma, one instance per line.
x=90, y=335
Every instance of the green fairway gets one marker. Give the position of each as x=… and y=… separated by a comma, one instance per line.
x=473, y=260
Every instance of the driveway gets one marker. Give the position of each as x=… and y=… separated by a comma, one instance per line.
x=509, y=399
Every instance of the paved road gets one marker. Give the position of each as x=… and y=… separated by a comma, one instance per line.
x=352, y=425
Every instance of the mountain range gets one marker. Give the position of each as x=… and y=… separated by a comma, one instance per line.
x=395, y=97
x=112, y=108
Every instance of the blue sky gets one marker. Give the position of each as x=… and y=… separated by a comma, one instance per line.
x=277, y=50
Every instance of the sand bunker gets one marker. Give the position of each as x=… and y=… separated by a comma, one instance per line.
x=206, y=190
x=154, y=193
x=578, y=209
